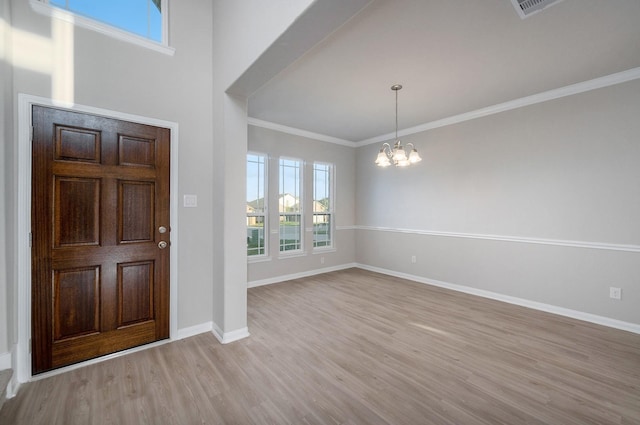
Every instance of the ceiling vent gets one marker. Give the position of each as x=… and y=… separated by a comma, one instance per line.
x=527, y=8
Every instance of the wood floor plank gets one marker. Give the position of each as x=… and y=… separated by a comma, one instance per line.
x=356, y=347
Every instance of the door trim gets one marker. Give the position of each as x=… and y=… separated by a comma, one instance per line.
x=25, y=103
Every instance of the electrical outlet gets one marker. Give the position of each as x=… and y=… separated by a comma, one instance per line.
x=615, y=293
x=321, y=260
x=413, y=259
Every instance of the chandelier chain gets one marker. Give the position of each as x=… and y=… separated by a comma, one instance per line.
x=396, y=114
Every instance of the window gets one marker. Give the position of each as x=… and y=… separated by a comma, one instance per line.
x=141, y=17
x=322, y=204
x=142, y=22
x=290, y=205
x=256, y=204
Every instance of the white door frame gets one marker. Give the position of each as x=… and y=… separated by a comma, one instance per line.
x=22, y=356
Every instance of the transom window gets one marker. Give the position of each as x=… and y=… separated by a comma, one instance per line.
x=140, y=22
x=141, y=17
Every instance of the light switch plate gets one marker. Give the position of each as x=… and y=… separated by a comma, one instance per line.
x=190, y=201
x=615, y=293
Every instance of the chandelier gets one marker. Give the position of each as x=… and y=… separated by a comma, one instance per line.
x=399, y=155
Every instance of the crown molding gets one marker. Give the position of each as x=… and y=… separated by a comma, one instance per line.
x=298, y=132
x=585, y=86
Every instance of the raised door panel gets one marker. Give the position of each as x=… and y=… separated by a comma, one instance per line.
x=77, y=144
x=76, y=211
x=76, y=302
x=136, y=151
x=136, y=211
x=135, y=284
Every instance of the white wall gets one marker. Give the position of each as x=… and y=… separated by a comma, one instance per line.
x=53, y=59
x=560, y=172
x=244, y=32
x=276, y=144
x=241, y=32
x=6, y=132
x=102, y=72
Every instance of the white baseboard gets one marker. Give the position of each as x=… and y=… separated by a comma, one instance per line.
x=13, y=387
x=14, y=384
x=5, y=361
x=228, y=337
x=283, y=278
x=223, y=337
x=194, y=330
x=574, y=314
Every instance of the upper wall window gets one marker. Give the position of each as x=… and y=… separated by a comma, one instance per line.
x=141, y=17
x=142, y=22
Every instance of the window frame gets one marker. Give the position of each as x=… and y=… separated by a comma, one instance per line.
x=331, y=210
x=44, y=8
x=265, y=214
x=300, y=212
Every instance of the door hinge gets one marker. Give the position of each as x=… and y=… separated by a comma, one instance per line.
x=30, y=239
x=32, y=130
x=29, y=345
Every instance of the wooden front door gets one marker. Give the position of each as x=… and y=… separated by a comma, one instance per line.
x=100, y=236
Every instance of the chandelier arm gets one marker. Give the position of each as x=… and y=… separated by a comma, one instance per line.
x=386, y=147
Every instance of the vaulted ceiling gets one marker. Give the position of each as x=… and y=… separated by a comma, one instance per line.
x=451, y=56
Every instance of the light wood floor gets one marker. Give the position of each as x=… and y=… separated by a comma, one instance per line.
x=355, y=347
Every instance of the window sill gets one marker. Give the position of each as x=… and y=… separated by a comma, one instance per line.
x=293, y=255
x=91, y=24
x=323, y=250
x=257, y=259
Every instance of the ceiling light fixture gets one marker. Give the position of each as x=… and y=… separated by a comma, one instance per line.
x=398, y=155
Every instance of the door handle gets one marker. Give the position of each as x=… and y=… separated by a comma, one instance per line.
x=162, y=244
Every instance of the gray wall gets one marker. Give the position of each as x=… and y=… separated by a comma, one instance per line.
x=277, y=144
x=562, y=171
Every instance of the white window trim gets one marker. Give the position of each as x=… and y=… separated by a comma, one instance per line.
x=293, y=254
x=332, y=210
x=263, y=257
x=42, y=7
x=324, y=249
x=301, y=251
